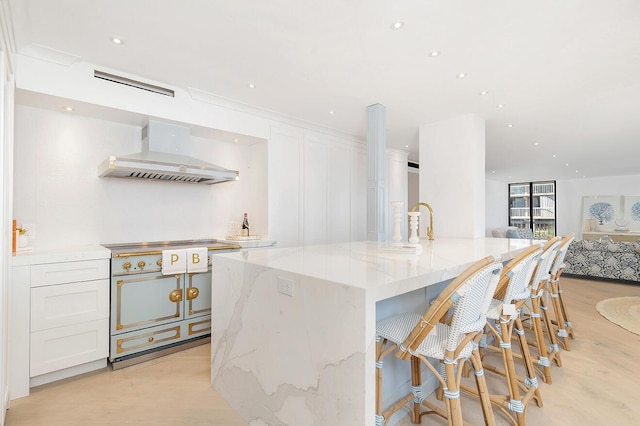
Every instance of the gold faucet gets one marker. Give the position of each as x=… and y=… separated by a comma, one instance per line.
x=430, y=228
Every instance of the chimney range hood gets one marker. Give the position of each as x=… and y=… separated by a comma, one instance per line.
x=162, y=159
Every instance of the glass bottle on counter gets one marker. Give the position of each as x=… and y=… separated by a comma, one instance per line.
x=245, y=226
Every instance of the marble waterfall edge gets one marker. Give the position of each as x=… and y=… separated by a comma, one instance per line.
x=273, y=367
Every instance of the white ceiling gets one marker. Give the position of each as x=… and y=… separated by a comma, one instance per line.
x=567, y=72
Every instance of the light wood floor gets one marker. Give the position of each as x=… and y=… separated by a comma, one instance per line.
x=599, y=383
x=173, y=390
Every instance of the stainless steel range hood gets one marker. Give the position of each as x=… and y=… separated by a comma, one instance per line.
x=162, y=158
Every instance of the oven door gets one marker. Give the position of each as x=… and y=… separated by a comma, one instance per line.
x=145, y=300
x=198, y=295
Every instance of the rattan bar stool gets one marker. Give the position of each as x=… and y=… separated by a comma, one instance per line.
x=537, y=315
x=562, y=321
x=448, y=332
x=503, y=320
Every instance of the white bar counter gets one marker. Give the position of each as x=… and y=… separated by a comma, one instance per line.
x=308, y=359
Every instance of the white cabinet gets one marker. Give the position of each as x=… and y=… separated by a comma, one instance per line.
x=69, y=316
x=284, y=185
x=317, y=187
x=59, y=319
x=69, y=322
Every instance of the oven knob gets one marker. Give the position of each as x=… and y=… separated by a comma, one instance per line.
x=159, y=262
x=141, y=264
x=127, y=266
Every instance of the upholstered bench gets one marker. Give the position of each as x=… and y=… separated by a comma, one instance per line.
x=604, y=258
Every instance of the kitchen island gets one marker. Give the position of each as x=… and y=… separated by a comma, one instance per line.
x=293, y=329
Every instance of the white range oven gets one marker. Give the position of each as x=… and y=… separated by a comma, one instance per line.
x=155, y=313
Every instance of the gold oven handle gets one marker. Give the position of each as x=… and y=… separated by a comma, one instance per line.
x=192, y=293
x=175, y=295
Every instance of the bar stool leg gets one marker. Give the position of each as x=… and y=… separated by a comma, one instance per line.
x=416, y=383
x=531, y=381
x=379, y=356
x=563, y=336
x=565, y=313
x=515, y=403
x=541, y=343
x=452, y=394
x=483, y=391
x=553, y=346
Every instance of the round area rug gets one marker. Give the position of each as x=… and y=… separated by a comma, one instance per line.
x=624, y=311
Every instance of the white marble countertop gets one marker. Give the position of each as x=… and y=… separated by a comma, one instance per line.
x=364, y=265
x=66, y=254
x=250, y=243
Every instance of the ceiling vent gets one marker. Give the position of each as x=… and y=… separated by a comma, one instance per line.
x=133, y=83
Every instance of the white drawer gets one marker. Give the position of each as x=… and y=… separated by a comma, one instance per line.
x=66, y=304
x=69, y=272
x=64, y=347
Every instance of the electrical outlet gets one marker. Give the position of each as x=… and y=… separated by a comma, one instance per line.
x=285, y=286
x=31, y=230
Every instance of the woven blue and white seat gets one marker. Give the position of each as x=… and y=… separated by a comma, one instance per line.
x=547, y=349
x=448, y=332
x=503, y=320
x=562, y=322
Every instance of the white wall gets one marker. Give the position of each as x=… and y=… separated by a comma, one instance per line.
x=569, y=193
x=56, y=186
x=496, y=205
x=452, y=175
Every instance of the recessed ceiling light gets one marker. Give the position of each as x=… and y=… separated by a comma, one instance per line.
x=252, y=86
x=500, y=106
x=116, y=40
x=406, y=146
x=236, y=139
x=509, y=125
x=68, y=108
x=461, y=75
x=576, y=171
x=566, y=164
x=434, y=53
x=331, y=112
x=536, y=143
x=397, y=25
x=493, y=171
x=554, y=156
x=484, y=92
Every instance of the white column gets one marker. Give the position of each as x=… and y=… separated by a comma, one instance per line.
x=397, y=187
x=376, y=173
x=452, y=175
